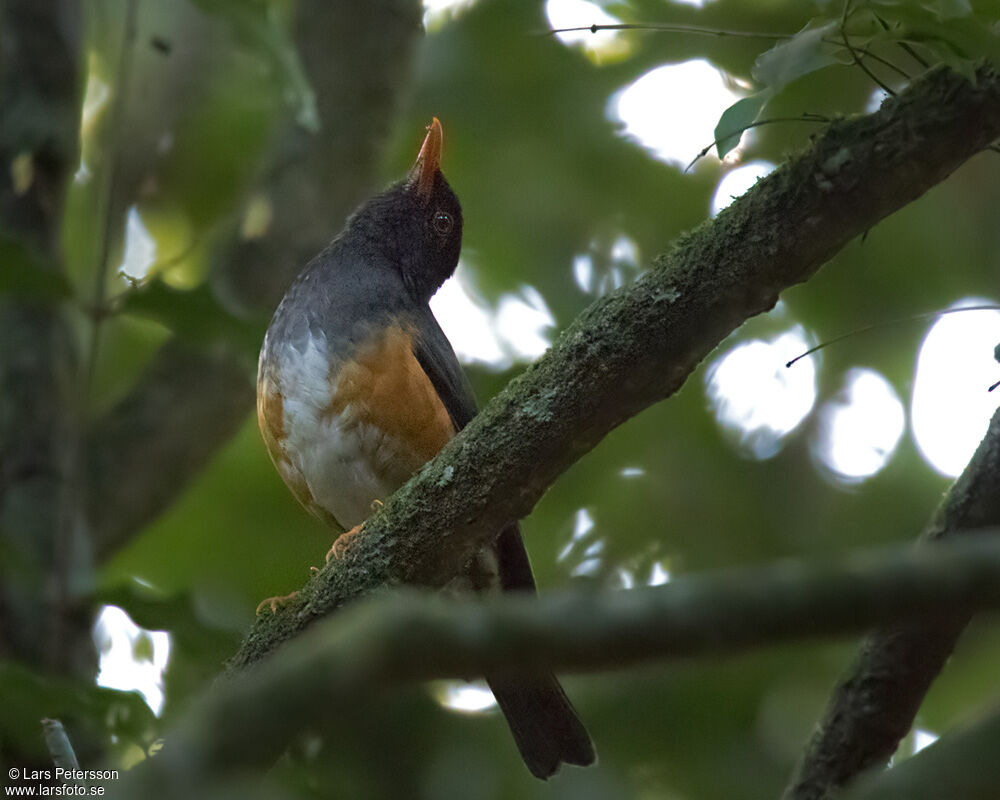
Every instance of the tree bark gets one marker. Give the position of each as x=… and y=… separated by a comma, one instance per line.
x=40, y=97
x=43, y=536
x=963, y=765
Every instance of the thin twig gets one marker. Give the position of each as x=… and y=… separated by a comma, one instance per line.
x=876, y=57
x=861, y=64
x=717, y=32
x=648, y=26
x=157, y=266
x=905, y=46
x=877, y=325
x=806, y=117
x=59, y=745
x=853, y=52
x=112, y=305
x=911, y=51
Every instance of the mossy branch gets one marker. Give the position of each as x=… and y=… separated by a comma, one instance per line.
x=636, y=346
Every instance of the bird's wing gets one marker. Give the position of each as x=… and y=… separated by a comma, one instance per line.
x=546, y=728
x=438, y=359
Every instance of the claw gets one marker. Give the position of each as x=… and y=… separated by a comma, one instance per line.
x=275, y=602
x=341, y=544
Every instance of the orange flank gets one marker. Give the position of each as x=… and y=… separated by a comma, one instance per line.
x=386, y=387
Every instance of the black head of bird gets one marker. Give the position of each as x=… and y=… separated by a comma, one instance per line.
x=417, y=223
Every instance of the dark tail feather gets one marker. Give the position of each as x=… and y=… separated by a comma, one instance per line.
x=545, y=725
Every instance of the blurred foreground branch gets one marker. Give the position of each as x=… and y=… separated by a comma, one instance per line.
x=190, y=403
x=636, y=346
x=962, y=765
x=411, y=636
x=873, y=707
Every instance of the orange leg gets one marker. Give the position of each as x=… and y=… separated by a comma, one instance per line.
x=275, y=602
x=341, y=544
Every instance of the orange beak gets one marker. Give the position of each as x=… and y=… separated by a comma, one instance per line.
x=428, y=160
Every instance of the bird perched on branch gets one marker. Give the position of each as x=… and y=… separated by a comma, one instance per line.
x=358, y=387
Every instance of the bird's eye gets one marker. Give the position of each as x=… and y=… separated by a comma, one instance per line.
x=442, y=222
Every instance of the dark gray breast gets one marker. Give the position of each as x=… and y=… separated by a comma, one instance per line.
x=340, y=297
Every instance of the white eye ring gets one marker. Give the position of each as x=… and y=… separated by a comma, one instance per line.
x=442, y=222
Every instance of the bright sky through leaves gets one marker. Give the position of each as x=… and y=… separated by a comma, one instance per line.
x=860, y=427
x=646, y=109
x=951, y=405
x=578, y=14
x=518, y=330
x=737, y=181
x=467, y=697
x=140, y=247
x=756, y=398
x=131, y=658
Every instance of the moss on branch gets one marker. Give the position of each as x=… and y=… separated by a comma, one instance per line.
x=636, y=346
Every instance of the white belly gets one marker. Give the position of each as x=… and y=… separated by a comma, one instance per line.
x=332, y=457
x=347, y=465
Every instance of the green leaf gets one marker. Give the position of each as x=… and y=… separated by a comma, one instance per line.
x=949, y=9
x=737, y=118
x=27, y=696
x=194, y=315
x=21, y=272
x=946, y=54
x=956, y=40
x=804, y=53
x=142, y=648
x=254, y=25
x=176, y=613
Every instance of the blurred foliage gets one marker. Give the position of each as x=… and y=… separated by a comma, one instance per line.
x=95, y=716
x=543, y=176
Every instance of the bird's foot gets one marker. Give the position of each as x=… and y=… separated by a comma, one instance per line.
x=274, y=603
x=341, y=544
